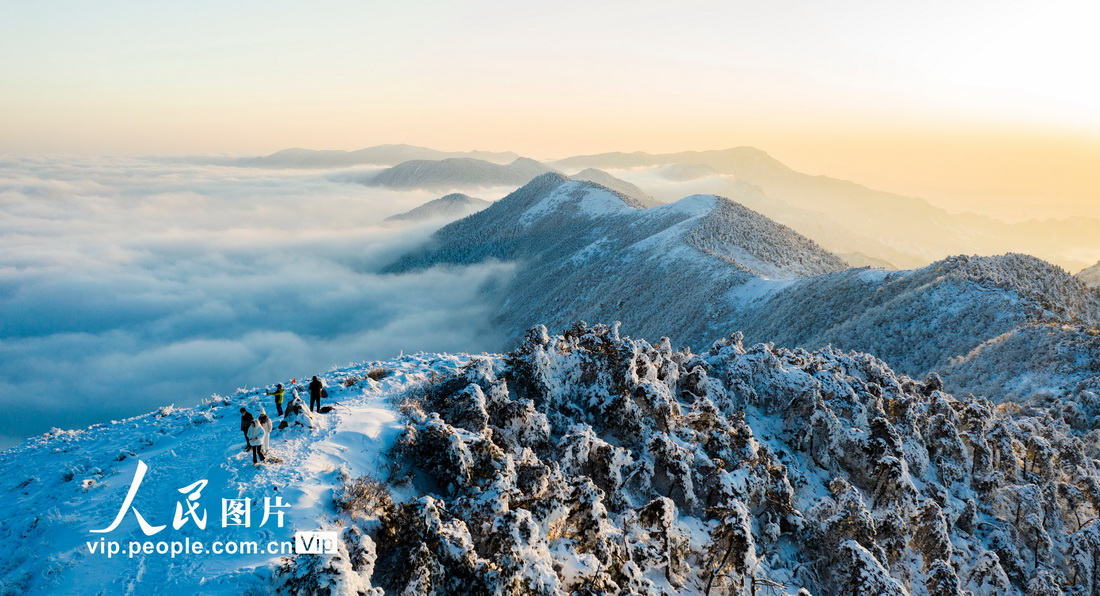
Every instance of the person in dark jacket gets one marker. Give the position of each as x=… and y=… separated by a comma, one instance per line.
x=279, y=396
x=246, y=421
x=315, y=389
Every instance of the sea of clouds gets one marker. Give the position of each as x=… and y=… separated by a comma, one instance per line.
x=131, y=283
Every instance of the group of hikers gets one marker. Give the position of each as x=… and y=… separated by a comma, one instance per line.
x=257, y=430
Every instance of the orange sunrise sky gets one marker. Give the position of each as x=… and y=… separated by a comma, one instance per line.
x=986, y=106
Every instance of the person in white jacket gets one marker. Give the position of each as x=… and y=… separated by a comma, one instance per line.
x=256, y=436
x=265, y=423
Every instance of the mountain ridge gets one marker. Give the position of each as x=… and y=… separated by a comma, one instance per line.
x=453, y=206
x=744, y=272
x=387, y=155
x=457, y=172
x=586, y=252
x=904, y=230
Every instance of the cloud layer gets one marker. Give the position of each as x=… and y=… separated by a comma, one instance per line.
x=126, y=284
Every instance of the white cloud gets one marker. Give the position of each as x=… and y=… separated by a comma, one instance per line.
x=130, y=283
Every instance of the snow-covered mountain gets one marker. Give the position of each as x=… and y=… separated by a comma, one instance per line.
x=587, y=252
x=703, y=266
x=618, y=185
x=1032, y=363
x=453, y=206
x=382, y=155
x=921, y=320
x=851, y=218
x=1090, y=276
x=586, y=463
x=457, y=173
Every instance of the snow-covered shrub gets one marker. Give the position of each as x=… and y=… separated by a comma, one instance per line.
x=424, y=549
x=346, y=572
x=377, y=374
x=593, y=463
x=363, y=497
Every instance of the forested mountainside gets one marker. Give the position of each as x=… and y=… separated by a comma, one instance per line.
x=920, y=320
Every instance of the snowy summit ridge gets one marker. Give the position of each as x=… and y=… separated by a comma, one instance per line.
x=586, y=251
x=702, y=265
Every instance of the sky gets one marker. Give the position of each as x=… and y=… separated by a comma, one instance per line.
x=984, y=105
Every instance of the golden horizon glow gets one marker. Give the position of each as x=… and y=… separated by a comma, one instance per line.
x=989, y=106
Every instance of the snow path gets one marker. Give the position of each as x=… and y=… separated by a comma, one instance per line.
x=62, y=485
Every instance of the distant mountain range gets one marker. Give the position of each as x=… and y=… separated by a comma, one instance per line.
x=703, y=266
x=452, y=206
x=457, y=172
x=864, y=226
x=382, y=155
x=847, y=217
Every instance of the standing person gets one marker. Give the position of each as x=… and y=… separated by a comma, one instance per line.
x=265, y=423
x=246, y=421
x=279, y=396
x=315, y=389
x=256, y=437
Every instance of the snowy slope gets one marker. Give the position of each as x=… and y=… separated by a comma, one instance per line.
x=452, y=206
x=919, y=320
x=616, y=184
x=591, y=463
x=61, y=485
x=1036, y=362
